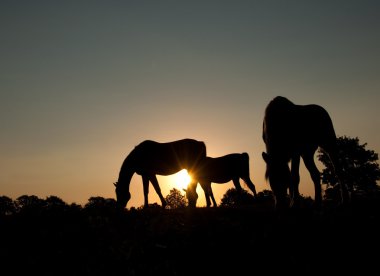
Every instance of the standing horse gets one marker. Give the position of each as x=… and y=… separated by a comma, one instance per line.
x=221, y=170
x=290, y=132
x=151, y=158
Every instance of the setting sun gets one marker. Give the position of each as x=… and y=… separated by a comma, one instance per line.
x=182, y=179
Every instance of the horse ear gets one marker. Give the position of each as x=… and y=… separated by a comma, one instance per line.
x=265, y=157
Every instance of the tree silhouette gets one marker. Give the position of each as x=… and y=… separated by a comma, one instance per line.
x=150, y=206
x=236, y=198
x=95, y=201
x=361, y=170
x=7, y=206
x=54, y=201
x=265, y=196
x=75, y=208
x=175, y=199
x=54, y=206
x=29, y=203
x=100, y=205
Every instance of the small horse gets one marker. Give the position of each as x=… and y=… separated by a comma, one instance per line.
x=290, y=132
x=151, y=158
x=221, y=170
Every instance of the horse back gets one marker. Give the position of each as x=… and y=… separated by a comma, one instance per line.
x=289, y=128
x=315, y=126
x=166, y=158
x=225, y=168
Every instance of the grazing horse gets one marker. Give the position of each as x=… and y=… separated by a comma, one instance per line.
x=290, y=132
x=151, y=158
x=221, y=170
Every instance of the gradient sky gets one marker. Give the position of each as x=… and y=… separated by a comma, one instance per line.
x=83, y=82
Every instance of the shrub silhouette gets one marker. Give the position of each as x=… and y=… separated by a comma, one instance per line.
x=7, y=206
x=237, y=198
x=361, y=170
x=175, y=200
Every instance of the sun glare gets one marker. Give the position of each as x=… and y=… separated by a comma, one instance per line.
x=182, y=179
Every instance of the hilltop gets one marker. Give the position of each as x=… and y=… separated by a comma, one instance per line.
x=215, y=241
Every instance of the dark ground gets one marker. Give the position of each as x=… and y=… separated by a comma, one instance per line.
x=216, y=241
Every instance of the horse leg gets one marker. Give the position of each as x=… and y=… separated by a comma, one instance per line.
x=206, y=186
x=250, y=184
x=295, y=181
x=156, y=186
x=145, y=180
x=212, y=195
x=237, y=184
x=308, y=159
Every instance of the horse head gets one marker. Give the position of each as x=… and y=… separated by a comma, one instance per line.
x=191, y=194
x=122, y=195
x=278, y=174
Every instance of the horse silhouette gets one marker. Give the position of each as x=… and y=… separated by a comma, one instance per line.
x=234, y=166
x=290, y=132
x=151, y=158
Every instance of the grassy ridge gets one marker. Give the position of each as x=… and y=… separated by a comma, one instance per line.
x=192, y=241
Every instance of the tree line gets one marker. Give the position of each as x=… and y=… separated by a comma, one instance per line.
x=361, y=173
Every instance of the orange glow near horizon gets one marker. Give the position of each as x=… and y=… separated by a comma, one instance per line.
x=182, y=179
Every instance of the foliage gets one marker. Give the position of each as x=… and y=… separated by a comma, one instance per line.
x=7, y=206
x=360, y=168
x=236, y=198
x=151, y=206
x=265, y=196
x=29, y=204
x=155, y=241
x=97, y=205
x=175, y=199
x=100, y=202
x=54, y=201
x=33, y=205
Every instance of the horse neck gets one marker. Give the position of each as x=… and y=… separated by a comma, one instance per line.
x=125, y=176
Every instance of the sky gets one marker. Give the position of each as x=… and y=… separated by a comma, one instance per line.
x=83, y=82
